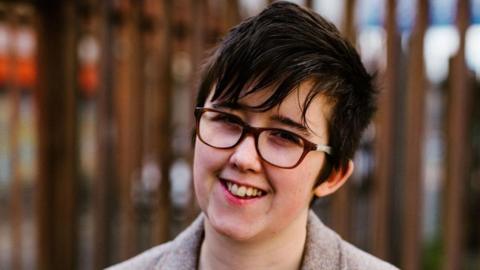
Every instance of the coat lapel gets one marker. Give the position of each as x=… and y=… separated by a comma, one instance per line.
x=185, y=249
x=322, y=248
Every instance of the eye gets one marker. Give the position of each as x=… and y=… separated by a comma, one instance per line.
x=285, y=137
x=226, y=122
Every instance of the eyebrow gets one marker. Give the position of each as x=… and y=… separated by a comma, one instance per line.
x=290, y=123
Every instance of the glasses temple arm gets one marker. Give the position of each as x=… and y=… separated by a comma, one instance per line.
x=324, y=148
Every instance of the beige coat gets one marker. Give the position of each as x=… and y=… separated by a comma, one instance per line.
x=324, y=250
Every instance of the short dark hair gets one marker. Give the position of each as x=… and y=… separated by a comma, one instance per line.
x=282, y=47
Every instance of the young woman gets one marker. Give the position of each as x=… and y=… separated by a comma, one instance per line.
x=280, y=110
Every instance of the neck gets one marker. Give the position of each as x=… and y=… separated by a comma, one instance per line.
x=283, y=250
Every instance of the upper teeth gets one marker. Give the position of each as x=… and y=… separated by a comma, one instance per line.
x=243, y=191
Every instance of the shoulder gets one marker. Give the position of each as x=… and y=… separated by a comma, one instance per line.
x=355, y=258
x=181, y=253
x=146, y=260
x=325, y=249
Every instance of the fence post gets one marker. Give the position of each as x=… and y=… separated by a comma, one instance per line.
x=160, y=91
x=384, y=150
x=415, y=111
x=127, y=109
x=16, y=207
x=57, y=153
x=458, y=146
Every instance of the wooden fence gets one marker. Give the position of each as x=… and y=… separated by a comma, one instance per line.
x=96, y=117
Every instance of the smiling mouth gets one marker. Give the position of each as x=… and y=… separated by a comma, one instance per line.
x=241, y=191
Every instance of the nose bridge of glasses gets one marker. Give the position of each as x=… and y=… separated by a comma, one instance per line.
x=249, y=130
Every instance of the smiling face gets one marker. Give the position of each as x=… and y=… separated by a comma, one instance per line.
x=219, y=174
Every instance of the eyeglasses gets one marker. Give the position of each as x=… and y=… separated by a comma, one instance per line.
x=278, y=147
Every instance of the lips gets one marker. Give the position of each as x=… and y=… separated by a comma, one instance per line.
x=242, y=191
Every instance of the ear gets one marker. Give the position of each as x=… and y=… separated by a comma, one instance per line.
x=335, y=180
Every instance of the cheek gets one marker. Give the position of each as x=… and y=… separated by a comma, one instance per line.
x=298, y=183
x=200, y=175
x=201, y=162
x=206, y=163
x=292, y=188
x=312, y=167
x=206, y=156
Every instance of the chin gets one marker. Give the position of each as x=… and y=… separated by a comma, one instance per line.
x=238, y=231
x=236, y=234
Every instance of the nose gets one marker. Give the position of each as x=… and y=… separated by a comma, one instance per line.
x=245, y=156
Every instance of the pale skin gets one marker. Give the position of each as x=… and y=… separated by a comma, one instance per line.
x=268, y=232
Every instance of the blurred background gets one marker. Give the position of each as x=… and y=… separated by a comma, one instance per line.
x=96, y=115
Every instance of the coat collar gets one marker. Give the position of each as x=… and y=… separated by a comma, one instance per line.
x=322, y=247
x=185, y=249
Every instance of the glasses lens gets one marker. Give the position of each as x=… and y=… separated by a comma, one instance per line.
x=219, y=130
x=280, y=147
